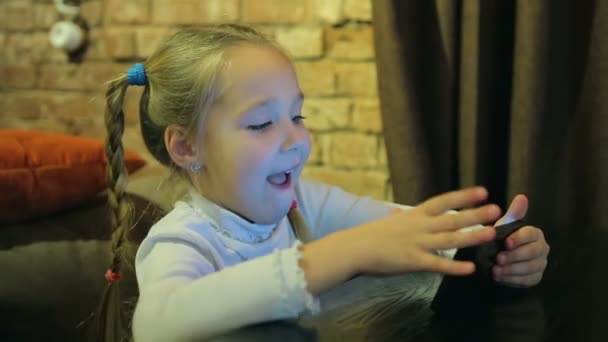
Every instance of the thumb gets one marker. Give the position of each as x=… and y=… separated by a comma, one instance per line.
x=517, y=210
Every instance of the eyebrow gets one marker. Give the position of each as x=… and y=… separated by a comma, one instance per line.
x=265, y=102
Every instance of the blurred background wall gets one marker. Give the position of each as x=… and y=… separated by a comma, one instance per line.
x=331, y=42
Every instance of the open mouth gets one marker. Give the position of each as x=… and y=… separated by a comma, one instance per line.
x=281, y=179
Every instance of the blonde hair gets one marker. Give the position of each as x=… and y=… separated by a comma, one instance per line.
x=181, y=86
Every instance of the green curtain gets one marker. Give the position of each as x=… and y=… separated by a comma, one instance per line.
x=512, y=95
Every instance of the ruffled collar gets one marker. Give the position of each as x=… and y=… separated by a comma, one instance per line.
x=227, y=223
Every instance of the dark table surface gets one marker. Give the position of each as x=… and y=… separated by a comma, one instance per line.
x=570, y=304
x=52, y=276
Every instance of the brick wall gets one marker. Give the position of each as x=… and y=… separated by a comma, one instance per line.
x=330, y=40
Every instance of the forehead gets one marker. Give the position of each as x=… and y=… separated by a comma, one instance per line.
x=257, y=70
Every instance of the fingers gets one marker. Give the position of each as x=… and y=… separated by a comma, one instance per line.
x=526, y=252
x=520, y=268
x=433, y=263
x=524, y=236
x=454, y=200
x=526, y=281
x=517, y=210
x=461, y=239
x=466, y=218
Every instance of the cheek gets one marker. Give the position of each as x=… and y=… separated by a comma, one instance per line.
x=255, y=159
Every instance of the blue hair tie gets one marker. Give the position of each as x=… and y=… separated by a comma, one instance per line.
x=136, y=75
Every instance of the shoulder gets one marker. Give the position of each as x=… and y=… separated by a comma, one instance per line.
x=181, y=226
x=182, y=220
x=328, y=208
x=315, y=195
x=311, y=191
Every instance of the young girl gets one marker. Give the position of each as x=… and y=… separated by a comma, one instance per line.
x=253, y=242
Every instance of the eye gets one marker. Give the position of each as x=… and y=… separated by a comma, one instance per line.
x=298, y=119
x=259, y=127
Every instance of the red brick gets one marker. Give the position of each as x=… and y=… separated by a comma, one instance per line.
x=97, y=46
x=89, y=127
x=77, y=105
x=17, y=76
x=20, y=105
x=189, y=12
x=128, y=11
x=326, y=11
x=37, y=104
x=351, y=149
x=71, y=113
x=45, y=15
x=357, y=79
x=366, y=115
x=324, y=114
x=350, y=43
x=316, y=152
x=92, y=12
x=119, y=42
x=43, y=51
x=91, y=76
x=16, y=48
x=148, y=39
x=84, y=126
x=360, y=182
x=47, y=124
x=17, y=15
x=317, y=78
x=274, y=11
x=301, y=41
x=358, y=9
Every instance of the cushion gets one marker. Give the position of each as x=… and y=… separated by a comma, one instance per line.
x=42, y=173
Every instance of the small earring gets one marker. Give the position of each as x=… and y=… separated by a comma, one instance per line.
x=196, y=167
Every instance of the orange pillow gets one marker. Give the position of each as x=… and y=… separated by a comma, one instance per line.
x=41, y=173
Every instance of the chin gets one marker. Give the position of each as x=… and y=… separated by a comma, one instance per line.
x=273, y=217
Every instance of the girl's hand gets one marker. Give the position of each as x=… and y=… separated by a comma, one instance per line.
x=525, y=259
x=407, y=240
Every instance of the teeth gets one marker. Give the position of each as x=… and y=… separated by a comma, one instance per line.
x=278, y=178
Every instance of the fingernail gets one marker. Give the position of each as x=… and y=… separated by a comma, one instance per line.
x=501, y=258
x=481, y=191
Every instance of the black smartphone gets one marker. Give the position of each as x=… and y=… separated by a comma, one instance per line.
x=477, y=291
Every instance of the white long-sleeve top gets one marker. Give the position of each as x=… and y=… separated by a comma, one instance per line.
x=203, y=270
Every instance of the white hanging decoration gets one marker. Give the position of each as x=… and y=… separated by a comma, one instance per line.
x=66, y=34
x=70, y=11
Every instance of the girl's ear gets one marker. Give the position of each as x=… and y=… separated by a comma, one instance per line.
x=181, y=148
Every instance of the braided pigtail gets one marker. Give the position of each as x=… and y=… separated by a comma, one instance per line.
x=112, y=319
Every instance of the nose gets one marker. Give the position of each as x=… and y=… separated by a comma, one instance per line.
x=296, y=136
